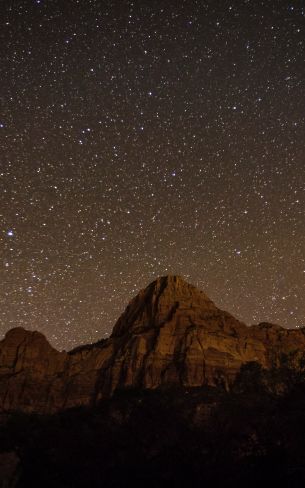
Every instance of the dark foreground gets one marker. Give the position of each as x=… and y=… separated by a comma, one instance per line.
x=171, y=437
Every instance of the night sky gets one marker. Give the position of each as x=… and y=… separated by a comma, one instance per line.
x=147, y=138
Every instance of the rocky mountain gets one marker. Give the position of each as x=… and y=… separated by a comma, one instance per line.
x=171, y=333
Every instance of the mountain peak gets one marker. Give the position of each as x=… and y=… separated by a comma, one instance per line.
x=171, y=333
x=28, y=339
x=19, y=333
x=158, y=302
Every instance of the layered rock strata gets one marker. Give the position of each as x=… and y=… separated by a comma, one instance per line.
x=170, y=333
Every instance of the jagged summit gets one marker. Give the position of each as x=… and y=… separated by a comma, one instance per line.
x=158, y=302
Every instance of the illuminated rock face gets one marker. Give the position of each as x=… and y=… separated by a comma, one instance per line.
x=170, y=333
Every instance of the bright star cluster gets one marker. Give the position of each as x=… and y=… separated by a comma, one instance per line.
x=142, y=138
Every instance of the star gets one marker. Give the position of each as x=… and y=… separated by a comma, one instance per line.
x=140, y=142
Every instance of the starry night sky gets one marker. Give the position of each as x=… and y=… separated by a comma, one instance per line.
x=147, y=138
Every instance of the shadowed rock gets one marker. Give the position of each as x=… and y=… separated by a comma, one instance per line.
x=170, y=333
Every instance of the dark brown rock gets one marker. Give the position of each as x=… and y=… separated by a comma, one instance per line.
x=9, y=462
x=170, y=333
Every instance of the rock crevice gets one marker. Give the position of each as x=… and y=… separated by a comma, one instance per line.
x=171, y=333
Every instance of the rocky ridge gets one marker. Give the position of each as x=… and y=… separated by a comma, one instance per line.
x=170, y=333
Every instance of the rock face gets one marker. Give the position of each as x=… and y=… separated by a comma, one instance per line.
x=170, y=333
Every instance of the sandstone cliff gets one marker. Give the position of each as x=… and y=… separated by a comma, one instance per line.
x=170, y=333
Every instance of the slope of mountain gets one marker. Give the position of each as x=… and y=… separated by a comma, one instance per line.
x=171, y=333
